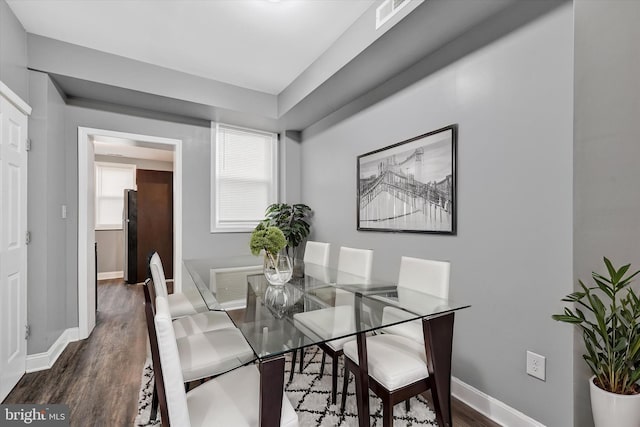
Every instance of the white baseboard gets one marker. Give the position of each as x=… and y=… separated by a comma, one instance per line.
x=41, y=361
x=110, y=275
x=490, y=407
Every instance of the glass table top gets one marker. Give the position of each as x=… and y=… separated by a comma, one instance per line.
x=324, y=305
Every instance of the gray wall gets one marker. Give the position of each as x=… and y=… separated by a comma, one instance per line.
x=111, y=242
x=13, y=52
x=47, y=192
x=512, y=257
x=197, y=240
x=110, y=251
x=607, y=149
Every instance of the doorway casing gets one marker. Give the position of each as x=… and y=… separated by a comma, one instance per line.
x=86, y=218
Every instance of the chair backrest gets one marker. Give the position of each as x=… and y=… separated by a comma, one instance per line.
x=149, y=311
x=316, y=253
x=425, y=275
x=416, y=275
x=354, y=262
x=157, y=274
x=176, y=397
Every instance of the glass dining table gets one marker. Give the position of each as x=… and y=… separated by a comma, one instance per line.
x=271, y=320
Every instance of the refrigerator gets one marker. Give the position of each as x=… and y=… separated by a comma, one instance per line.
x=130, y=227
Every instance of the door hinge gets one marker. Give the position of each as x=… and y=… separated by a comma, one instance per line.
x=27, y=238
x=27, y=145
x=27, y=332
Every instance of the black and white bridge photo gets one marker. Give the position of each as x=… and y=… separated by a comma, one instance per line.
x=409, y=186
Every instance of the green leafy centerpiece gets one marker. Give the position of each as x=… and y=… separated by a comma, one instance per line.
x=293, y=220
x=271, y=240
x=608, y=315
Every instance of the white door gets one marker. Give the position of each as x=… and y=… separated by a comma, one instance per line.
x=13, y=251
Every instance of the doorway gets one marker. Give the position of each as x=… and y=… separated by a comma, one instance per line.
x=88, y=140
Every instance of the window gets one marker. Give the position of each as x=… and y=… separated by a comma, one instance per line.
x=244, y=175
x=111, y=181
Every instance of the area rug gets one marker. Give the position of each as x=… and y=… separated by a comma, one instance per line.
x=311, y=398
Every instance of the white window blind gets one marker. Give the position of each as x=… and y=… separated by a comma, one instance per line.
x=244, y=175
x=111, y=181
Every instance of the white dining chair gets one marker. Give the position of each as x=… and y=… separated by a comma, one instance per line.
x=397, y=362
x=209, y=353
x=179, y=303
x=416, y=275
x=187, y=320
x=232, y=399
x=316, y=260
x=316, y=253
x=354, y=267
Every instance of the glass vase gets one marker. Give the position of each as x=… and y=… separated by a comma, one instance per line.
x=278, y=300
x=277, y=269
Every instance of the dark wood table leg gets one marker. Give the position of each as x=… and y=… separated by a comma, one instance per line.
x=271, y=391
x=438, y=342
x=362, y=382
x=362, y=375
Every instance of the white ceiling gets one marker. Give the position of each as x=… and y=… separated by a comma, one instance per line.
x=256, y=44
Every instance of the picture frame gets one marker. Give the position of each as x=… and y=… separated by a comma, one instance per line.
x=410, y=186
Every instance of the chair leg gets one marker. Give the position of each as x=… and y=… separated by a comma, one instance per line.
x=324, y=357
x=301, y=359
x=345, y=384
x=334, y=379
x=387, y=413
x=407, y=405
x=154, y=404
x=293, y=365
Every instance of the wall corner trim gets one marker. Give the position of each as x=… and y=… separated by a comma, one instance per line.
x=42, y=361
x=490, y=407
x=13, y=98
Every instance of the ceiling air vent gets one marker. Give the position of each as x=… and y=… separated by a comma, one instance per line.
x=387, y=9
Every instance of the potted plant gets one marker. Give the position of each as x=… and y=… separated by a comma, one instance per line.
x=271, y=240
x=293, y=220
x=610, y=325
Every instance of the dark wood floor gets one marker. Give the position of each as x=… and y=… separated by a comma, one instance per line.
x=99, y=378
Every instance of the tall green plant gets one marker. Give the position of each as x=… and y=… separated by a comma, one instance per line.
x=293, y=220
x=610, y=329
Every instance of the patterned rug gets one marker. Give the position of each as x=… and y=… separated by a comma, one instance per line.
x=311, y=398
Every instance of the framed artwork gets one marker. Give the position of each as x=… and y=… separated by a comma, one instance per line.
x=410, y=186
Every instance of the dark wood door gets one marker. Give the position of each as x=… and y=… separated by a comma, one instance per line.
x=155, y=219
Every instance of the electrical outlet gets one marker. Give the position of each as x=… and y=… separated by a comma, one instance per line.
x=536, y=365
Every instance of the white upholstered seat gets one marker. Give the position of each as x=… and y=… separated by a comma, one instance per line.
x=394, y=361
x=211, y=353
x=327, y=323
x=228, y=400
x=187, y=320
x=201, y=322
